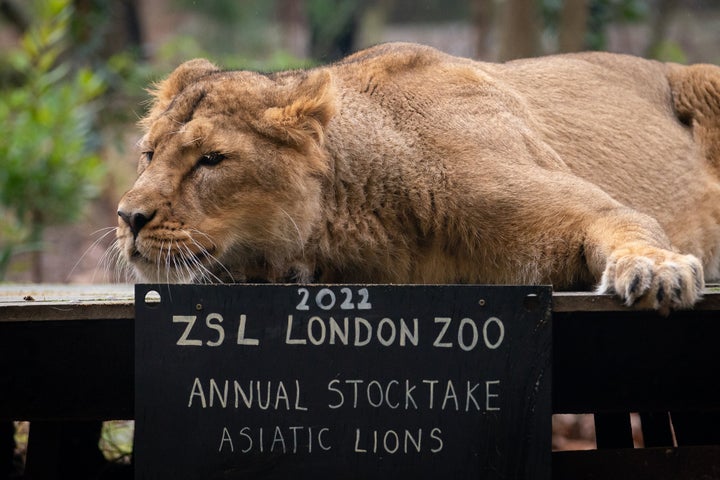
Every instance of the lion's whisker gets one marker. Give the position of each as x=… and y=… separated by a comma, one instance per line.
x=207, y=254
x=105, y=232
x=301, y=244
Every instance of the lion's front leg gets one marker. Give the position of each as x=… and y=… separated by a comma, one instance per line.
x=638, y=263
x=625, y=252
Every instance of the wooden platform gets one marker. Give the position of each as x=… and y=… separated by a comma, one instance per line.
x=66, y=355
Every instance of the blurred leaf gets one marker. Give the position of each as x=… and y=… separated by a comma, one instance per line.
x=49, y=168
x=669, y=51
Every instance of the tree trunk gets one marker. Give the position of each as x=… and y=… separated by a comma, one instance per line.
x=482, y=18
x=15, y=14
x=520, y=36
x=294, y=24
x=372, y=23
x=119, y=30
x=573, y=26
x=659, y=25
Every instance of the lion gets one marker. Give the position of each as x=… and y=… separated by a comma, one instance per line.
x=402, y=164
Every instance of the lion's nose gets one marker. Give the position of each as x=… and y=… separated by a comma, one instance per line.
x=135, y=220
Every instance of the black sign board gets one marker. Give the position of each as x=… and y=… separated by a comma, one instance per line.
x=342, y=382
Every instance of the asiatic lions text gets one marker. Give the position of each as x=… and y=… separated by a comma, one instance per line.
x=406, y=165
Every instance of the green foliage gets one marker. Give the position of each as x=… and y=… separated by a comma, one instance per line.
x=49, y=165
x=605, y=12
x=330, y=17
x=332, y=26
x=231, y=12
x=669, y=51
x=230, y=26
x=12, y=238
x=184, y=47
x=413, y=11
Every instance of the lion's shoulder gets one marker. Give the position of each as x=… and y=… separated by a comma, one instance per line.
x=390, y=59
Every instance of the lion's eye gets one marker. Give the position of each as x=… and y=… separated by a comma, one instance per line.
x=210, y=159
x=148, y=156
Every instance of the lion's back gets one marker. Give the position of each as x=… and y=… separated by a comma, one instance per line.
x=646, y=132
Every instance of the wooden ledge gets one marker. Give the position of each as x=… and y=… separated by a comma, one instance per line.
x=592, y=302
x=33, y=302
x=38, y=302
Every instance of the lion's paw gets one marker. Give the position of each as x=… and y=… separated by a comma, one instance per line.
x=654, y=278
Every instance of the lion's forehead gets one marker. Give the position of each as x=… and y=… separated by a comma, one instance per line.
x=207, y=130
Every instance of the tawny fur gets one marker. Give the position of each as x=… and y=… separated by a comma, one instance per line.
x=403, y=164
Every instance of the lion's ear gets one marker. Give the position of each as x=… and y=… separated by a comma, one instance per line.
x=304, y=113
x=182, y=77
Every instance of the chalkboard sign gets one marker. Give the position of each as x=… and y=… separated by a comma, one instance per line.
x=342, y=382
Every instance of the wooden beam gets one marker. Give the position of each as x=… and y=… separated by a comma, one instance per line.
x=684, y=463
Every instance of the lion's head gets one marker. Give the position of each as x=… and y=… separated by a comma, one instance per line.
x=229, y=178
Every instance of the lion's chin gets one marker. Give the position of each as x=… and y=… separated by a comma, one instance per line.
x=172, y=269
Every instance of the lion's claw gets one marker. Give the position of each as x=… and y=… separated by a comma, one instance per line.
x=654, y=278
